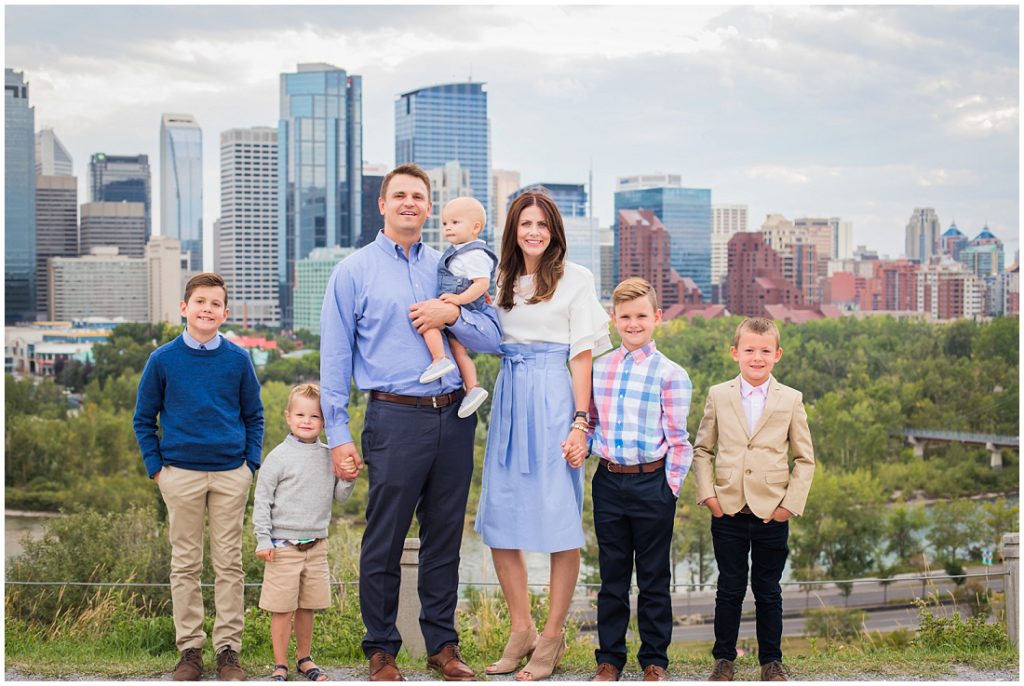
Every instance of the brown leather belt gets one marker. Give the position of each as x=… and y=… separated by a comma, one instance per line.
x=303, y=547
x=645, y=468
x=432, y=402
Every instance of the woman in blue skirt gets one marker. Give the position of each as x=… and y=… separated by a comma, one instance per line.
x=532, y=497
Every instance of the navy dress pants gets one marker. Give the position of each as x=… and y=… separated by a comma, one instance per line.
x=633, y=518
x=420, y=460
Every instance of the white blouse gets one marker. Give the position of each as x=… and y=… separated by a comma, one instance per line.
x=573, y=315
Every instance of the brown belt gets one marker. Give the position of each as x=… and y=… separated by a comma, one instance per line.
x=428, y=401
x=302, y=547
x=645, y=468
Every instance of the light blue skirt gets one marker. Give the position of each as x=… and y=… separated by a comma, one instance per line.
x=531, y=498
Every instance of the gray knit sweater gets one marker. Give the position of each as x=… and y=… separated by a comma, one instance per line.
x=294, y=492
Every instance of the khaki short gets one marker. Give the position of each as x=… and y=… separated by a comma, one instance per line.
x=297, y=579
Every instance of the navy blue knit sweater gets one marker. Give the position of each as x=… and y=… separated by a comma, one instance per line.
x=208, y=402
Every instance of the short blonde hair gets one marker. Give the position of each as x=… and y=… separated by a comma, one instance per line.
x=633, y=288
x=306, y=390
x=756, y=325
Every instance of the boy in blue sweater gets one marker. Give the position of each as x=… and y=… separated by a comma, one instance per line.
x=205, y=392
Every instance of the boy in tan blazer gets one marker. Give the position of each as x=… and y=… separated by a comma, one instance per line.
x=741, y=467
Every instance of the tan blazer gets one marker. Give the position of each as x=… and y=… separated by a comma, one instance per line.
x=754, y=469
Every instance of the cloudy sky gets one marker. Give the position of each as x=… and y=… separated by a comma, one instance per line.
x=864, y=112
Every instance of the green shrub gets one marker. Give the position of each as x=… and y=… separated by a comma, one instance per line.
x=955, y=634
x=834, y=624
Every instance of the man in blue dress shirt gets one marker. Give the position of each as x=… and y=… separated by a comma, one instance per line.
x=419, y=452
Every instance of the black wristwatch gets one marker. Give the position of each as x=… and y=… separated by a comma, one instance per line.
x=581, y=415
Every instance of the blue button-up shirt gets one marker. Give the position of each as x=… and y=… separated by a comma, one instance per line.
x=193, y=343
x=366, y=333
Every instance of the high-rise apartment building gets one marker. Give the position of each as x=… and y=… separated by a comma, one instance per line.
x=983, y=255
x=181, y=184
x=52, y=158
x=947, y=290
x=373, y=222
x=922, y=235
x=311, y=276
x=19, y=200
x=113, y=224
x=163, y=272
x=821, y=232
x=504, y=182
x=842, y=238
x=892, y=287
x=320, y=153
x=99, y=284
x=56, y=228
x=439, y=124
x=447, y=182
x=952, y=242
x=644, y=246
x=755, y=277
x=247, y=238
x=726, y=221
x=686, y=215
x=122, y=178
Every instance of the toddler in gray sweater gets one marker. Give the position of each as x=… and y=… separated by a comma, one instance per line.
x=290, y=515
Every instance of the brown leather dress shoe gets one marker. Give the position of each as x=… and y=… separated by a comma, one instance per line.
x=383, y=667
x=229, y=667
x=190, y=666
x=450, y=664
x=773, y=671
x=655, y=673
x=607, y=672
x=724, y=670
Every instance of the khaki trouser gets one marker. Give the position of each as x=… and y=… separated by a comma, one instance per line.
x=188, y=493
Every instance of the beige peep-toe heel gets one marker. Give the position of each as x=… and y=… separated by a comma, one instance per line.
x=520, y=644
x=545, y=658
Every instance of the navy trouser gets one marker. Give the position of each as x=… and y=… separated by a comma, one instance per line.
x=633, y=517
x=735, y=538
x=420, y=461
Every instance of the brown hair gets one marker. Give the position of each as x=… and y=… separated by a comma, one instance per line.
x=406, y=170
x=633, y=288
x=756, y=325
x=512, y=265
x=206, y=279
x=306, y=390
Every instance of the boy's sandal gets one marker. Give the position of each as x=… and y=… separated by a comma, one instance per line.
x=280, y=677
x=313, y=673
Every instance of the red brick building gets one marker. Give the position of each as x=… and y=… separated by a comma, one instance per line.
x=644, y=251
x=755, y=277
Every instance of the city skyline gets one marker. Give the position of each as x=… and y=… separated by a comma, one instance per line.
x=745, y=101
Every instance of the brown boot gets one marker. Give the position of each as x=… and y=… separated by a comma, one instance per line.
x=190, y=666
x=607, y=672
x=724, y=670
x=773, y=671
x=229, y=668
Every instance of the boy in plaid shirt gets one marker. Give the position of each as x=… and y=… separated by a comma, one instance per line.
x=640, y=402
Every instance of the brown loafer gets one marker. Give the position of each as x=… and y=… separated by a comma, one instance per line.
x=607, y=672
x=724, y=670
x=190, y=666
x=773, y=671
x=450, y=664
x=383, y=667
x=229, y=668
x=655, y=673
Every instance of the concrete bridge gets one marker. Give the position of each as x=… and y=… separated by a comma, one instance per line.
x=919, y=438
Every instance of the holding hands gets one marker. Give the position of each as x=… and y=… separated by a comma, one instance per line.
x=346, y=462
x=574, y=447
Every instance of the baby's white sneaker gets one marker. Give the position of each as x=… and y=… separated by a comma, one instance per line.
x=472, y=402
x=436, y=370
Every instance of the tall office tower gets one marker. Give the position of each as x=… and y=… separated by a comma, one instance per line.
x=645, y=252
x=247, y=243
x=19, y=200
x=373, y=177
x=948, y=290
x=842, y=238
x=320, y=153
x=99, y=284
x=163, y=271
x=607, y=263
x=118, y=224
x=755, y=277
x=117, y=178
x=504, y=182
x=685, y=213
x=952, y=242
x=181, y=184
x=56, y=228
x=922, y=239
x=52, y=158
x=726, y=220
x=311, y=276
x=571, y=198
x=983, y=255
x=438, y=124
x=447, y=182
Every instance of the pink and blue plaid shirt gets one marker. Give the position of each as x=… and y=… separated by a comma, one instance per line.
x=639, y=408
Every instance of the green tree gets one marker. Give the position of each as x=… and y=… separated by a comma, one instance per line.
x=903, y=525
x=956, y=526
x=999, y=518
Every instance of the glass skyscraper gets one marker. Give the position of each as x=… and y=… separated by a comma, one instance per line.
x=686, y=214
x=116, y=178
x=447, y=123
x=19, y=200
x=320, y=153
x=181, y=184
x=571, y=198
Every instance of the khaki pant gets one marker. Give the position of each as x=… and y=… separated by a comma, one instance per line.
x=188, y=493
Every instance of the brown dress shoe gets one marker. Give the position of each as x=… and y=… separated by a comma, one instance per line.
x=450, y=664
x=229, y=668
x=383, y=667
x=724, y=670
x=190, y=666
x=773, y=671
x=655, y=673
x=607, y=672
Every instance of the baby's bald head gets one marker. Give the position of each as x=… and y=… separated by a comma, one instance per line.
x=468, y=209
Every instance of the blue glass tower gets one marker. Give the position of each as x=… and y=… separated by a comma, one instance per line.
x=571, y=198
x=686, y=214
x=320, y=177
x=181, y=184
x=448, y=123
x=19, y=200
x=116, y=178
